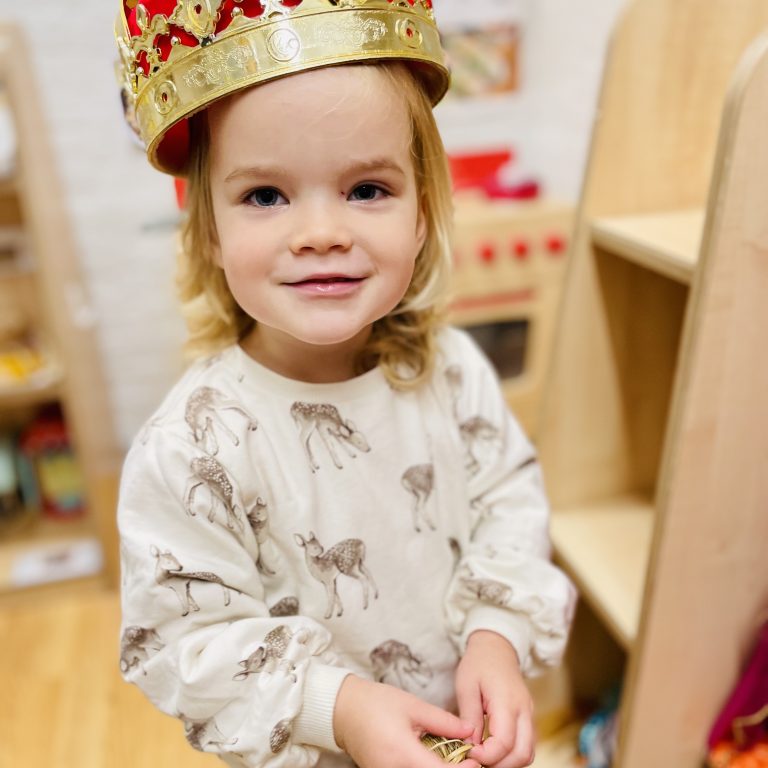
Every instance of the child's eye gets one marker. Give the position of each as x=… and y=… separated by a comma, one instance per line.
x=367, y=192
x=264, y=197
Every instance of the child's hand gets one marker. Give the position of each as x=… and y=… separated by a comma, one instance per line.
x=489, y=682
x=380, y=726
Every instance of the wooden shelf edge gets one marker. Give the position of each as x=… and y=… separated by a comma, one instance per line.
x=605, y=548
x=667, y=243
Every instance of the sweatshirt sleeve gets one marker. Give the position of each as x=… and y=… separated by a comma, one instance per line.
x=504, y=580
x=197, y=636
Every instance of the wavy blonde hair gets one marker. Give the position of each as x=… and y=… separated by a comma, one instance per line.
x=402, y=342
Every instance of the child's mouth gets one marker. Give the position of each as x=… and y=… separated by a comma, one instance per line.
x=331, y=285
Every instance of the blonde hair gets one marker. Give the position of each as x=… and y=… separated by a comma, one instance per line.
x=403, y=342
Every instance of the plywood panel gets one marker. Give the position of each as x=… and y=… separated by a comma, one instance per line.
x=710, y=583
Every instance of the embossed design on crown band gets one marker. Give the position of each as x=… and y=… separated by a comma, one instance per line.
x=283, y=45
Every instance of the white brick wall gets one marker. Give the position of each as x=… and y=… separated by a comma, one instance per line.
x=122, y=210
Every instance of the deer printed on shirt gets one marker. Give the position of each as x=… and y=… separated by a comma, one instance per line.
x=482, y=440
x=270, y=656
x=345, y=558
x=287, y=606
x=395, y=663
x=489, y=591
x=279, y=736
x=209, y=473
x=170, y=573
x=135, y=645
x=419, y=481
x=259, y=521
x=204, y=733
x=324, y=421
x=203, y=414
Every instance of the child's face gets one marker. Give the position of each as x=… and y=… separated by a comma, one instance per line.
x=316, y=206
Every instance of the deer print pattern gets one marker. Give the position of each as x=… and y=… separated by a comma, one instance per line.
x=394, y=662
x=271, y=654
x=479, y=437
x=419, y=481
x=203, y=411
x=135, y=645
x=325, y=421
x=170, y=573
x=259, y=520
x=279, y=736
x=347, y=557
x=489, y=591
x=208, y=472
x=204, y=733
x=288, y=606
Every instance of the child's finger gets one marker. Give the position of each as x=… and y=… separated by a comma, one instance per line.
x=525, y=740
x=471, y=710
x=502, y=728
x=441, y=723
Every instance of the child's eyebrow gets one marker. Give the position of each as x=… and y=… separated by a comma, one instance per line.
x=358, y=166
x=375, y=164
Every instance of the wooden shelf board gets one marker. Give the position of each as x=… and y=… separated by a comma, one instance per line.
x=48, y=551
x=605, y=548
x=667, y=243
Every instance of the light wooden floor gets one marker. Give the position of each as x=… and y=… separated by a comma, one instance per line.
x=63, y=703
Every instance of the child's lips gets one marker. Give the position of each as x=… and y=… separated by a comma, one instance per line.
x=327, y=285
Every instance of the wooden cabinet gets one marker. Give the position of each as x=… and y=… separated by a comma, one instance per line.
x=42, y=292
x=654, y=430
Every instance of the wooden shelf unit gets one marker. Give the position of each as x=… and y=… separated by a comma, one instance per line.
x=653, y=430
x=667, y=243
x=39, y=273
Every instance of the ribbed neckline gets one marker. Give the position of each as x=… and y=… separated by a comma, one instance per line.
x=262, y=377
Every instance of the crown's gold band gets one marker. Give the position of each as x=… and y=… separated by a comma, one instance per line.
x=247, y=56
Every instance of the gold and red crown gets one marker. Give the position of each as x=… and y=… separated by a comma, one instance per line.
x=178, y=56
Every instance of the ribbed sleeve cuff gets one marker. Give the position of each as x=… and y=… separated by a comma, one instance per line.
x=514, y=627
x=314, y=723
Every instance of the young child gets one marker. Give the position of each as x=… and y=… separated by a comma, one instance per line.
x=333, y=534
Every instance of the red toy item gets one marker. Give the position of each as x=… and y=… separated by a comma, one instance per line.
x=481, y=171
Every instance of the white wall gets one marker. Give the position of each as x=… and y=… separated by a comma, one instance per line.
x=123, y=211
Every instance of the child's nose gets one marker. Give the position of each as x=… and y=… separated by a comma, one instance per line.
x=321, y=228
